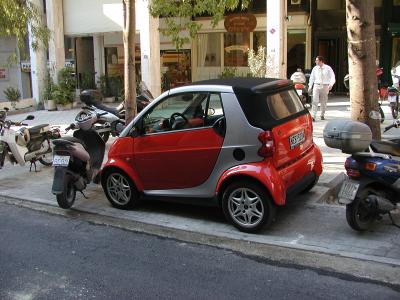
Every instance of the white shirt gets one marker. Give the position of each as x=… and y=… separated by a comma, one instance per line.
x=322, y=75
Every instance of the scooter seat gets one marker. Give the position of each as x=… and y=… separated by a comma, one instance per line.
x=386, y=147
x=112, y=110
x=37, y=129
x=67, y=140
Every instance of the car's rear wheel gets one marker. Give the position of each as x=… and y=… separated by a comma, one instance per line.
x=248, y=206
x=120, y=190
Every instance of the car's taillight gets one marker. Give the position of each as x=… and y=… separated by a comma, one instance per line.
x=392, y=93
x=268, y=146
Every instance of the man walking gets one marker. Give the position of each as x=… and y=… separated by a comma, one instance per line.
x=321, y=82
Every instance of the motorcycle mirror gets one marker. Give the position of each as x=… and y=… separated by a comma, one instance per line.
x=30, y=117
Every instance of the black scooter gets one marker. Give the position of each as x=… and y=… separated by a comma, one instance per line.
x=77, y=160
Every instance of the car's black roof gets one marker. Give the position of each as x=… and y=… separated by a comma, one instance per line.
x=252, y=84
x=251, y=93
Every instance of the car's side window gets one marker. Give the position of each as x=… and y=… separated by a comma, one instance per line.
x=182, y=111
x=214, y=110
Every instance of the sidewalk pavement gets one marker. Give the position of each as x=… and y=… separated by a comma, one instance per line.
x=311, y=232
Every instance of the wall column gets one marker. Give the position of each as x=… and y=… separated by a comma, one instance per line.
x=150, y=49
x=38, y=60
x=276, y=38
x=98, y=51
x=55, y=22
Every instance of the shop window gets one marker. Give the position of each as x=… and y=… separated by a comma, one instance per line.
x=176, y=68
x=259, y=39
x=296, y=50
x=209, y=50
x=69, y=46
x=235, y=49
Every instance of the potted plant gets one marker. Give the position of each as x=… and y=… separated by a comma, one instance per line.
x=13, y=95
x=48, y=94
x=103, y=86
x=64, y=91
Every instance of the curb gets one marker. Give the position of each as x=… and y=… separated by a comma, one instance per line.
x=370, y=268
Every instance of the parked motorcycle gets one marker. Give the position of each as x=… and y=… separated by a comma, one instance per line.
x=25, y=144
x=382, y=91
x=373, y=185
x=113, y=122
x=77, y=159
x=300, y=84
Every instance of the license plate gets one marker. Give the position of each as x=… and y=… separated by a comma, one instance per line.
x=296, y=139
x=392, y=98
x=299, y=92
x=348, y=191
x=60, y=161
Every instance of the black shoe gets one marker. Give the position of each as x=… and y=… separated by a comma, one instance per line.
x=322, y=118
x=313, y=119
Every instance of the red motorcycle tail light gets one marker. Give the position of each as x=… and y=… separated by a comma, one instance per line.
x=299, y=86
x=268, y=146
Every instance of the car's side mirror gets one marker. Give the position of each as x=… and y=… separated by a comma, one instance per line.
x=30, y=117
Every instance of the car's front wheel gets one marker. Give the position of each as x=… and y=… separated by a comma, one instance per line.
x=120, y=190
x=248, y=206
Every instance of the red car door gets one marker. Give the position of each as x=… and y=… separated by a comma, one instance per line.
x=181, y=158
x=176, y=160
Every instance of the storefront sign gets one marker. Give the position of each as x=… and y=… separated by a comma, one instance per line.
x=240, y=23
x=3, y=74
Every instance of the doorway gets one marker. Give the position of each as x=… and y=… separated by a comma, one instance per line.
x=334, y=50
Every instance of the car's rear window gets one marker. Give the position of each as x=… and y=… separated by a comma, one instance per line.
x=284, y=104
x=270, y=109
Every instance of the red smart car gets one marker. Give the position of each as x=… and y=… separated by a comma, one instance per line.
x=244, y=144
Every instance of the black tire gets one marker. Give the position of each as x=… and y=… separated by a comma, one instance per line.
x=44, y=160
x=310, y=186
x=357, y=214
x=120, y=190
x=67, y=198
x=247, y=190
x=105, y=136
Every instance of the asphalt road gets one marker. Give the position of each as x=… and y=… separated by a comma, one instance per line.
x=44, y=256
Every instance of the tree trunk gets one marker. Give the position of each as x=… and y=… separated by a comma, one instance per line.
x=362, y=67
x=129, y=33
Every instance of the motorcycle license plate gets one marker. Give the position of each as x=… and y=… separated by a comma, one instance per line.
x=299, y=92
x=60, y=161
x=296, y=139
x=392, y=98
x=348, y=191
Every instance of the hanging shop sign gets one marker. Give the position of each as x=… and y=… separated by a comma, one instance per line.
x=240, y=23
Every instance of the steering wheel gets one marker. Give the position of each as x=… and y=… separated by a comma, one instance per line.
x=176, y=114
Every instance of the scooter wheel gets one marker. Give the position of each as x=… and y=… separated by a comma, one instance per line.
x=359, y=214
x=67, y=198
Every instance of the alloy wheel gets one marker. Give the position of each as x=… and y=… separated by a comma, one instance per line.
x=119, y=189
x=245, y=207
